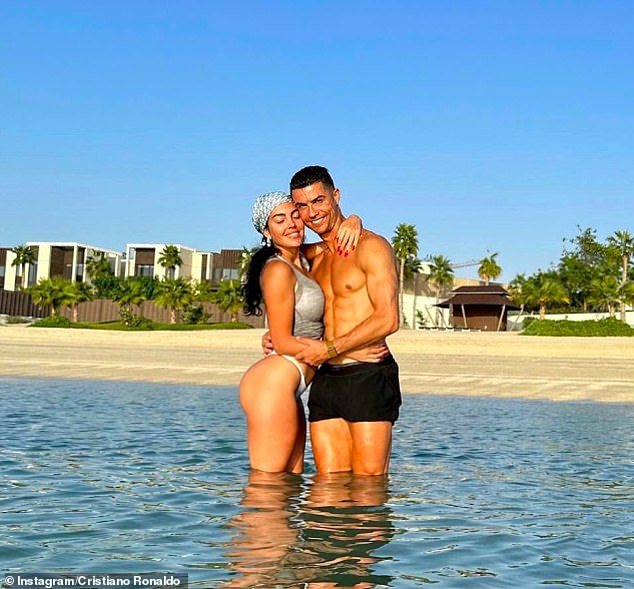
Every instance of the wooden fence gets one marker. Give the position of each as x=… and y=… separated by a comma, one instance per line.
x=20, y=304
x=101, y=310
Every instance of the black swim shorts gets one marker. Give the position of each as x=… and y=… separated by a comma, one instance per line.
x=362, y=391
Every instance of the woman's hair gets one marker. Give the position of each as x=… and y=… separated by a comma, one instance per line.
x=252, y=289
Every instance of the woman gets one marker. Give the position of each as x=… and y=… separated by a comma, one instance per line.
x=278, y=276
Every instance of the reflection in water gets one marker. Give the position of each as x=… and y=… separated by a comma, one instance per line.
x=346, y=520
x=265, y=530
x=319, y=536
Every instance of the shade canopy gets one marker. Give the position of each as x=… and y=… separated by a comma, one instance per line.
x=492, y=295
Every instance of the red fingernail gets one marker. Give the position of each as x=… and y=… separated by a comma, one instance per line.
x=346, y=254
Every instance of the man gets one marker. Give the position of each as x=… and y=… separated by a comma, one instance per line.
x=352, y=405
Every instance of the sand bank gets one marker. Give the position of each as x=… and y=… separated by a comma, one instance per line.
x=444, y=363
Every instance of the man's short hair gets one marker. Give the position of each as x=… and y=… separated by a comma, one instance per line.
x=311, y=174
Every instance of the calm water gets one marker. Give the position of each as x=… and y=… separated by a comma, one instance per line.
x=119, y=477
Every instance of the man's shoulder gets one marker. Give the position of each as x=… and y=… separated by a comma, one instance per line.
x=373, y=251
x=368, y=240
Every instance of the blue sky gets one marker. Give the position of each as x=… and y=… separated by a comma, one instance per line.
x=492, y=126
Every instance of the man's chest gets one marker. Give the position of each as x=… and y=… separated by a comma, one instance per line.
x=338, y=276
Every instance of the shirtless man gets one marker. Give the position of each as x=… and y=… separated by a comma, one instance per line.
x=352, y=405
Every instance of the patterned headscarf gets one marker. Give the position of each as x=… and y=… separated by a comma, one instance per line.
x=263, y=206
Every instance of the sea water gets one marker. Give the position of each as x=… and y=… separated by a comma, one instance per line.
x=109, y=477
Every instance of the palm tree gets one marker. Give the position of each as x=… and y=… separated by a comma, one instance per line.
x=489, y=269
x=245, y=260
x=78, y=292
x=413, y=267
x=543, y=290
x=405, y=244
x=175, y=294
x=203, y=291
x=98, y=266
x=170, y=258
x=129, y=294
x=106, y=286
x=626, y=294
x=623, y=241
x=50, y=292
x=441, y=274
x=516, y=290
x=229, y=297
x=24, y=255
x=604, y=293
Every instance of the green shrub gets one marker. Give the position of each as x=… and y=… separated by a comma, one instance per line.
x=133, y=321
x=139, y=322
x=195, y=314
x=199, y=326
x=421, y=321
x=234, y=325
x=602, y=328
x=146, y=325
x=53, y=321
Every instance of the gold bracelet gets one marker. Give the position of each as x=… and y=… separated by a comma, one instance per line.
x=332, y=351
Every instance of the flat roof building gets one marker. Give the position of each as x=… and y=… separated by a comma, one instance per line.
x=52, y=259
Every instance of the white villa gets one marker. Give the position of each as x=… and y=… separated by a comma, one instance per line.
x=68, y=260
x=52, y=259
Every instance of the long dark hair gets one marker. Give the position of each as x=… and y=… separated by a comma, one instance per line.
x=252, y=289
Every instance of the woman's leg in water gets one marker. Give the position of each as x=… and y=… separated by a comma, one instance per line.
x=276, y=426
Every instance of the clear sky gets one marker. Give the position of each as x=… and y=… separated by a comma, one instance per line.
x=492, y=126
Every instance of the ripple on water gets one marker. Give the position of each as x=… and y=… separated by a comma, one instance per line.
x=128, y=477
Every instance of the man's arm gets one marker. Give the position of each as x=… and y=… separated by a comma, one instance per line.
x=376, y=260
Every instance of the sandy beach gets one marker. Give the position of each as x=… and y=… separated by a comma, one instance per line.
x=435, y=363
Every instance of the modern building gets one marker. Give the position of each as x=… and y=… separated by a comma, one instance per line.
x=52, y=260
x=4, y=251
x=142, y=259
x=226, y=265
x=68, y=260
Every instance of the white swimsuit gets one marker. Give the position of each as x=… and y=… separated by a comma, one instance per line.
x=302, y=387
x=308, y=318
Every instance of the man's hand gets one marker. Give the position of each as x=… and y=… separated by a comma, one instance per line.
x=315, y=352
x=372, y=353
x=267, y=343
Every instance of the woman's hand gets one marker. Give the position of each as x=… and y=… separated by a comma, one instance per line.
x=267, y=343
x=372, y=353
x=348, y=235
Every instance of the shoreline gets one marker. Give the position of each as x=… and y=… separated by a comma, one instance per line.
x=481, y=364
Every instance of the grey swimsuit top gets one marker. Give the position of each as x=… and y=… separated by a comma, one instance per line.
x=309, y=304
